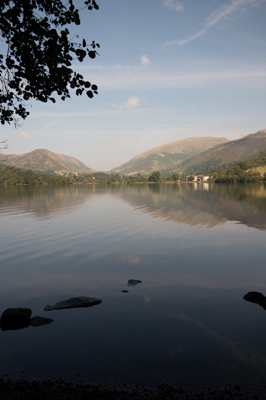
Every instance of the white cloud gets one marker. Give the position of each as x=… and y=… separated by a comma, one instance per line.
x=217, y=15
x=145, y=60
x=24, y=135
x=132, y=102
x=177, y=6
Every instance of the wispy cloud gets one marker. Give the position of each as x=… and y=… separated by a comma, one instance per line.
x=208, y=78
x=223, y=12
x=145, y=60
x=52, y=123
x=24, y=135
x=173, y=5
x=131, y=103
x=184, y=74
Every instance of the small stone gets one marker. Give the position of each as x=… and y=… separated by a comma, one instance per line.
x=124, y=291
x=39, y=321
x=133, y=282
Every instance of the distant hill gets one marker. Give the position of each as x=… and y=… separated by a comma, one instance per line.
x=43, y=160
x=168, y=155
x=226, y=153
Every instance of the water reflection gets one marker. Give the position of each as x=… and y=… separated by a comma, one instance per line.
x=185, y=323
x=44, y=202
x=194, y=204
x=201, y=204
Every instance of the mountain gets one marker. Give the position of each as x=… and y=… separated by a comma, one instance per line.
x=168, y=155
x=43, y=160
x=225, y=153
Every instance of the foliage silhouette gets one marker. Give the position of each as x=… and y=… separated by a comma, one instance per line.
x=39, y=54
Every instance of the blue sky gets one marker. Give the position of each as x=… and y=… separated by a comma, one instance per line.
x=167, y=70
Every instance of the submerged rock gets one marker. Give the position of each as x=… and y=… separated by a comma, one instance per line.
x=74, y=302
x=256, y=297
x=15, y=318
x=133, y=282
x=39, y=321
x=124, y=291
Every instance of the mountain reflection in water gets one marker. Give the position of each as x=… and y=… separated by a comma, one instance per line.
x=192, y=203
x=201, y=203
x=170, y=263
x=43, y=202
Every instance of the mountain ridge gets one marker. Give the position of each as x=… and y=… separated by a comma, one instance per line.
x=183, y=156
x=225, y=154
x=43, y=160
x=167, y=155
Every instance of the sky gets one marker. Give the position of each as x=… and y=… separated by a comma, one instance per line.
x=167, y=70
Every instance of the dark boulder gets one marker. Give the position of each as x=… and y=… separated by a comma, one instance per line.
x=74, y=302
x=15, y=318
x=256, y=297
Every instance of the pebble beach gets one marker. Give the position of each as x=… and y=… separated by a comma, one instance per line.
x=57, y=389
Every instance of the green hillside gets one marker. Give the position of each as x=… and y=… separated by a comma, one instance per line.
x=43, y=160
x=250, y=170
x=261, y=170
x=225, y=154
x=168, y=155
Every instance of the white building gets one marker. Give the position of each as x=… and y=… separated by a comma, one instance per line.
x=198, y=178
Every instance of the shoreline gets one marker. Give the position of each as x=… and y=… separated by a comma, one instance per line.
x=59, y=388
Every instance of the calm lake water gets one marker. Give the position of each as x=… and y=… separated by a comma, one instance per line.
x=197, y=248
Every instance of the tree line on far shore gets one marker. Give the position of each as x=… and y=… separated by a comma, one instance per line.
x=17, y=176
x=243, y=171
x=240, y=172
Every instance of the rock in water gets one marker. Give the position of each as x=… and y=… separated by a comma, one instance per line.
x=39, y=321
x=133, y=282
x=74, y=302
x=256, y=297
x=15, y=318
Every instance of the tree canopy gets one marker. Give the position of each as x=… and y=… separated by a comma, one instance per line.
x=155, y=176
x=39, y=54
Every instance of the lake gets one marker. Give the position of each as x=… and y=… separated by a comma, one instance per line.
x=197, y=250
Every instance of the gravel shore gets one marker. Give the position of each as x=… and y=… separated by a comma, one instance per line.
x=21, y=389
